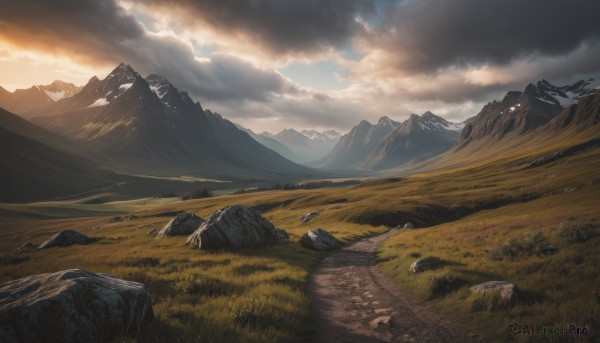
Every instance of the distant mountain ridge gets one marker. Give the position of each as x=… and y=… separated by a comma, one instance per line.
x=24, y=100
x=390, y=144
x=150, y=126
x=307, y=145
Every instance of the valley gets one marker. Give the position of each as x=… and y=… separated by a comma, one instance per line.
x=299, y=171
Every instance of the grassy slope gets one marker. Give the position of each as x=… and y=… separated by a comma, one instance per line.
x=249, y=296
x=260, y=295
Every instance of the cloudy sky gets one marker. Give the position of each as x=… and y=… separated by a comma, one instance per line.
x=271, y=64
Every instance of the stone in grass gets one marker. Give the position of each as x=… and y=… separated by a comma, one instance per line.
x=72, y=306
x=27, y=247
x=234, y=227
x=310, y=216
x=409, y=226
x=319, y=239
x=424, y=264
x=66, y=238
x=183, y=224
x=505, y=289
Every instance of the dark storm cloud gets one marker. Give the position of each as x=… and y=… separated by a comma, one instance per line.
x=430, y=34
x=101, y=33
x=281, y=27
x=82, y=28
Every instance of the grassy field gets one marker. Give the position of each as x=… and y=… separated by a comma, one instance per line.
x=247, y=296
x=487, y=220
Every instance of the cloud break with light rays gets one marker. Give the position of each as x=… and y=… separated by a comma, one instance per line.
x=309, y=64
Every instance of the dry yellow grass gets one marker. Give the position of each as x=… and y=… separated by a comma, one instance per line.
x=257, y=296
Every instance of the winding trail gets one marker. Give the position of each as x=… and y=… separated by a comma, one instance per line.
x=353, y=301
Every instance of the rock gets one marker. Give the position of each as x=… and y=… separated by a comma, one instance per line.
x=234, y=227
x=548, y=249
x=282, y=234
x=115, y=219
x=318, y=239
x=183, y=224
x=506, y=289
x=424, y=264
x=307, y=218
x=72, y=306
x=26, y=247
x=409, y=226
x=66, y=238
x=120, y=219
x=153, y=232
x=382, y=322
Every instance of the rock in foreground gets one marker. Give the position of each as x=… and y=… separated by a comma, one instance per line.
x=72, y=306
x=424, y=264
x=66, y=238
x=318, y=239
x=506, y=289
x=307, y=218
x=183, y=224
x=234, y=227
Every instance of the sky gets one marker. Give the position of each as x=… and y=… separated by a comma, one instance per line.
x=309, y=64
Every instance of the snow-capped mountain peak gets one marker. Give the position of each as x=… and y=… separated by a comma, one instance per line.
x=564, y=96
x=386, y=121
x=328, y=135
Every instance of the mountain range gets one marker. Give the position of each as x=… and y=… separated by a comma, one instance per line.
x=306, y=145
x=148, y=126
x=389, y=144
x=24, y=100
x=86, y=138
x=522, y=120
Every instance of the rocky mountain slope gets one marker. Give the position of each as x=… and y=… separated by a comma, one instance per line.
x=389, y=143
x=522, y=112
x=151, y=127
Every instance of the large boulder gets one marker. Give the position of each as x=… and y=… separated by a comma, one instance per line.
x=505, y=289
x=307, y=218
x=424, y=264
x=66, y=238
x=234, y=227
x=183, y=224
x=319, y=239
x=72, y=306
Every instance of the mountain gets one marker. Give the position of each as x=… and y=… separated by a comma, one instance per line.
x=325, y=140
x=24, y=100
x=356, y=146
x=58, y=90
x=522, y=112
x=541, y=117
x=149, y=126
x=306, y=145
x=38, y=168
x=272, y=144
x=415, y=140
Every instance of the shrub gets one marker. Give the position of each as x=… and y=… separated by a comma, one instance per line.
x=525, y=246
x=578, y=233
x=142, y=262
x=198, y=193
x=202, y=285
x=440, y=285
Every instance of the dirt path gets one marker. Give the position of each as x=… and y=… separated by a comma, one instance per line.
x=354, y=302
